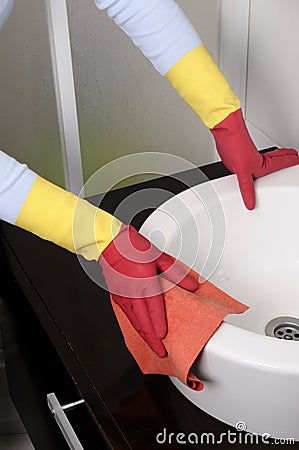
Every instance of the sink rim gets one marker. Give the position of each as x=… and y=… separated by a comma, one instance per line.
x=237, y=344
x=231, y=341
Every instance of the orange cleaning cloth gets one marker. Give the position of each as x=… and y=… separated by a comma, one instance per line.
x=192, y=319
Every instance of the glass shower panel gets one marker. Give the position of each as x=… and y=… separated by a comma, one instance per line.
x=29, y=128
x=124, y=105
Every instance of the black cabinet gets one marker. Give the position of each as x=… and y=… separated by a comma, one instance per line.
x=60, y=335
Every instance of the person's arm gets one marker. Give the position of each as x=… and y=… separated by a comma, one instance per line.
x=167, y=38
x=36, y=205
x=130, y=263
x=5, y=10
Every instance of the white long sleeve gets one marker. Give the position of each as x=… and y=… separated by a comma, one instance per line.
x=16, y=181
x=159, y=28
x=5, y=10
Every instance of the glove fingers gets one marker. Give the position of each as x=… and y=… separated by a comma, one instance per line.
x=174, y=272
x=277, y=162
x=137, y=313
x=151, y=317
x=282, y=151
x=247, y=190
x=155, y=344
x=157, y=314
x=126, y=306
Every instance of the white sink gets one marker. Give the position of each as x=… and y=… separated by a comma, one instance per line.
x=249, y=377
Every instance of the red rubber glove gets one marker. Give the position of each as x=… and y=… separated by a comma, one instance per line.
x=131, y=265
x=240, y=156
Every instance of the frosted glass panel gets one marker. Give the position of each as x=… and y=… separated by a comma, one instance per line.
x=124, y=106
x=28, y=119
x=273, y=70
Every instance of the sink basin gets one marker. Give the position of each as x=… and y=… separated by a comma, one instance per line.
x=250, y=378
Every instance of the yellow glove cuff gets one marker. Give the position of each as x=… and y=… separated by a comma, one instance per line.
x=199, y=81
x=67, y=220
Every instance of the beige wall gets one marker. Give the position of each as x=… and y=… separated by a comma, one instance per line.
x=124, y=106
x=28, y=117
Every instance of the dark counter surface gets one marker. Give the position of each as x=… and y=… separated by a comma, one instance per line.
x=60, y=311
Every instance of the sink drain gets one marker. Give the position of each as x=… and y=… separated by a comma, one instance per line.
x=283, y=328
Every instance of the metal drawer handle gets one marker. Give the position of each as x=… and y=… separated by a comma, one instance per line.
x=67, y=430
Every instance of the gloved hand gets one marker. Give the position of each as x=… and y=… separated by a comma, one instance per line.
x=240, y=156
x=199, y=81
x=131, y=266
